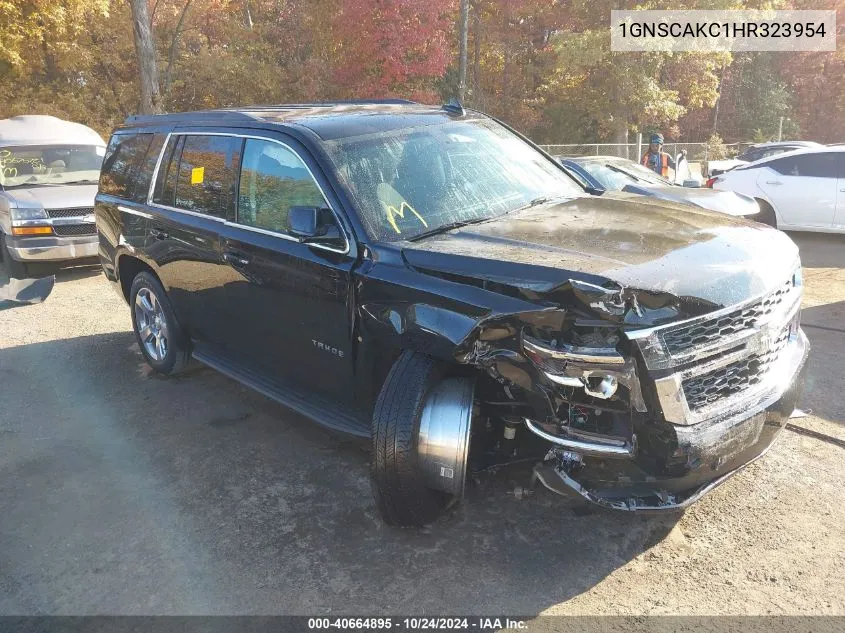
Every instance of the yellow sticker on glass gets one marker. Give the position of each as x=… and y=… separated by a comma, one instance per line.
x=197, y=175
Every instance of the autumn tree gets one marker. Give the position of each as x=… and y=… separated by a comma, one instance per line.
x=544, y=67
x=392, y=47
x=618, y=92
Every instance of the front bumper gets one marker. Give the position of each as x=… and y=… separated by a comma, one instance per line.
x=670, y=476
x=52, y=249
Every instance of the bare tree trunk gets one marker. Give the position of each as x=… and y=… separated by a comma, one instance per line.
x=621, y=138
x=476, y=53
x=718, y=101
x=247, y=15
x=150, y=102
x=462, y=54
x=171, y=54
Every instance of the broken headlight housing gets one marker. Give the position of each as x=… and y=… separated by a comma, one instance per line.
x=590, y=362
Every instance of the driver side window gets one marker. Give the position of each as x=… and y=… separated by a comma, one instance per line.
x=274, y=179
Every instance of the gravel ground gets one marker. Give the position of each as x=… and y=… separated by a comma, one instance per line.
x=126, y=493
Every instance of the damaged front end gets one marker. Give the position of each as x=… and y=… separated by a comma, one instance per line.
x=647, y=418
x=628, y=395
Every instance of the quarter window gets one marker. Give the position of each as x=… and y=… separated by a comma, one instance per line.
x=274, y=179
x=121, y=174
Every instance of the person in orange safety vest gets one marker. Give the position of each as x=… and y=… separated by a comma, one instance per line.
x=656, y=159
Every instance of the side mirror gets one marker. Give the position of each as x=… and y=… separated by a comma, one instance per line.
x=304, y=222
x=308, y=225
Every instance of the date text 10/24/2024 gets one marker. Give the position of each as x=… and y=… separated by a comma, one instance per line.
x=419, y=623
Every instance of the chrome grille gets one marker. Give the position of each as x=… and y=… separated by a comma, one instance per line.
x=703, y=334
x=70, y=213
x=729, y=380
x=72, y=230
x=720, y=363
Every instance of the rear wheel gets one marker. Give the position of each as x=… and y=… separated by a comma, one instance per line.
x=158, y=335
x=766, y=215
x=420, y=432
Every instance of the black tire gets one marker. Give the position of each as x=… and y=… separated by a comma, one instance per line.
x=14, y=268
x=401, y=496
x=177, y=354
x=766, y=215
x=37, y=270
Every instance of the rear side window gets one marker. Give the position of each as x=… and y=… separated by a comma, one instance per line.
x=122, y=172
x=274, y=179
x=200, y=174
x=165, y=188
x=807, y=165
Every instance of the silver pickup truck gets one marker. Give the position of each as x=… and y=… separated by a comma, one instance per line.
x=49, y=170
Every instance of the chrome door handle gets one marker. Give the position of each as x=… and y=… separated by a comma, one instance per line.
x=235, y=258
x=774, y=182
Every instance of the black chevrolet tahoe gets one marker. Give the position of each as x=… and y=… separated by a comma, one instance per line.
x=428, y=278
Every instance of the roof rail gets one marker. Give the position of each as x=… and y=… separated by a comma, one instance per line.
x=323, y=104
x=240, y=114
x=233, y=116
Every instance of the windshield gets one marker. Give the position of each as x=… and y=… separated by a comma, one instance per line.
x=610, y=179
x=34, y=165
x=415, y=180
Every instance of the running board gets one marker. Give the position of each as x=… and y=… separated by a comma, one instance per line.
x=319, y=409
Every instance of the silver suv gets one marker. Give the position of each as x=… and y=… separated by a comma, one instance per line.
x=49, y=170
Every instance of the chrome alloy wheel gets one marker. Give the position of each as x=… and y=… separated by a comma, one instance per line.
x=151, y=324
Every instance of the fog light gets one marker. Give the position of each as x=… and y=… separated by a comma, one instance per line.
x=605, y=388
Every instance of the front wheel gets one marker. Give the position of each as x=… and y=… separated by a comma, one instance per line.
x=421, y=431
x=154, y=323
x=14, y=268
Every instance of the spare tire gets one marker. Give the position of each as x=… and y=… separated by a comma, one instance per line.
x=417, y=476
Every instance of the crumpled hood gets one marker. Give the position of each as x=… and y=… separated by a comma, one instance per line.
x=728, y=202
x=52, y=197
x=701, y=257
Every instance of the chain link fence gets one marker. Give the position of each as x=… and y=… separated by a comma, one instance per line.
x=696, y=152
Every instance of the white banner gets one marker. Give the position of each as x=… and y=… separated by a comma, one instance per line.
x=709, y=31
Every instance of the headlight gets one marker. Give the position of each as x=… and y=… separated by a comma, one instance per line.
x=597, y=370
x=29, y=214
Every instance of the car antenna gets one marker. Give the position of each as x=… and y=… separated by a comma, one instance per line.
x=454, y=107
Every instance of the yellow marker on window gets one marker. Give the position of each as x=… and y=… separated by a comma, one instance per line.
x=392, y=212
x=197, y=175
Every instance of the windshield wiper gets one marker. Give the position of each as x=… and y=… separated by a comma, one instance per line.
x=27, y=185
x=456, y=225
x=80, y=182
x=443, y=228
x=619, y=170
x=535, y=202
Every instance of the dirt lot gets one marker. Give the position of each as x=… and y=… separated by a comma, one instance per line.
x=123, y=493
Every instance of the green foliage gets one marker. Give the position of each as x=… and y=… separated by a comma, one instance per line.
x=716, y=148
